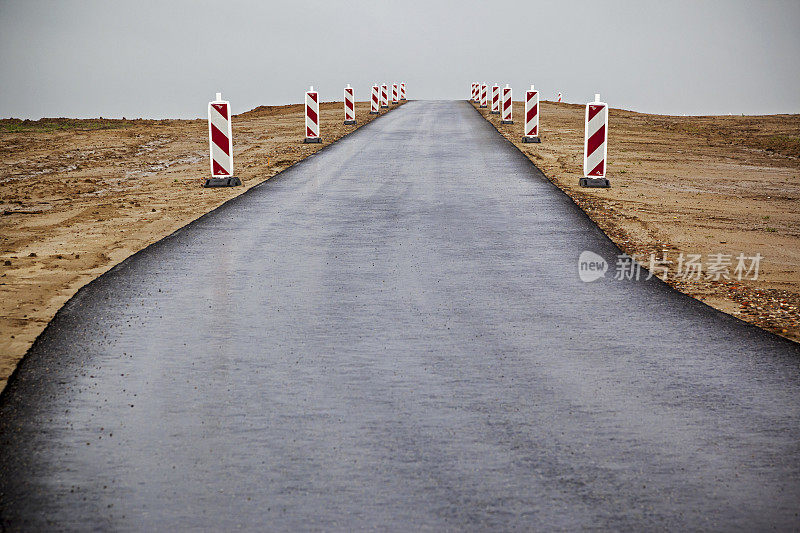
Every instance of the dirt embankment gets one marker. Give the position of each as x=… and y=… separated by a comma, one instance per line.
x=79, y=196
x=708, y=186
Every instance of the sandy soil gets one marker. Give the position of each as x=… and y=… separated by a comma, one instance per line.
x=693, y=185
x=79, y=196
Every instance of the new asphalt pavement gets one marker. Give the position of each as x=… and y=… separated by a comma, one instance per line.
x=392, y=335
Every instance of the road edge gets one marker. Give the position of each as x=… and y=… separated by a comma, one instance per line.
x=112, y=266
x=616, y=244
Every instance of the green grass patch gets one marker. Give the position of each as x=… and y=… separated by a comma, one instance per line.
x=785, y=144
x=15, y=125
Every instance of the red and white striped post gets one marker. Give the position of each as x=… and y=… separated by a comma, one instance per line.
x=349, y=106
x=531, y=129
x=375, y=101
x=484, y=95
x=474, y=92
x=507, y=116
x=595, y=147
x=495, y=110
x=403, y=91
x=312, y=117
x=559, y=97
x=394, y=93
x=384, y=95
x=220, y=143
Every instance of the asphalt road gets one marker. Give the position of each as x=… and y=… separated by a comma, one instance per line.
x=392, y=334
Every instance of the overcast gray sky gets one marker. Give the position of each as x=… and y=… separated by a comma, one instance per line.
x=167, y=58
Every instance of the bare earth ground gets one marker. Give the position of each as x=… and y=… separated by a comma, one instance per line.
x=693, y=185
x=79, y=196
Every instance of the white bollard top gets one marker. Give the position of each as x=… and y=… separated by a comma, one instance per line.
x=532, y=89
x=219, y=97
x=597, y=98
x=348, y=86
x=507, y=87
x=311, y=89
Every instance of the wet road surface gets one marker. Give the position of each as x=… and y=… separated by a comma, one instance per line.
x=392, y=334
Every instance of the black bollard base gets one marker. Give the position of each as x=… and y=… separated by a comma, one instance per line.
x=312, y=140
x=231, y=181
x=594, y=182
x=529, y=139
x=349, y=122
x=506, y=122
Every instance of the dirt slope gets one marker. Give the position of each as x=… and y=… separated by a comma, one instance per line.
x=725, y=185
x=79, y=196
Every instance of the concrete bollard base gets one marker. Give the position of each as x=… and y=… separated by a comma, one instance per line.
x=529, y=139
x=231, y=181
x=594, y=182
x=311, y=140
